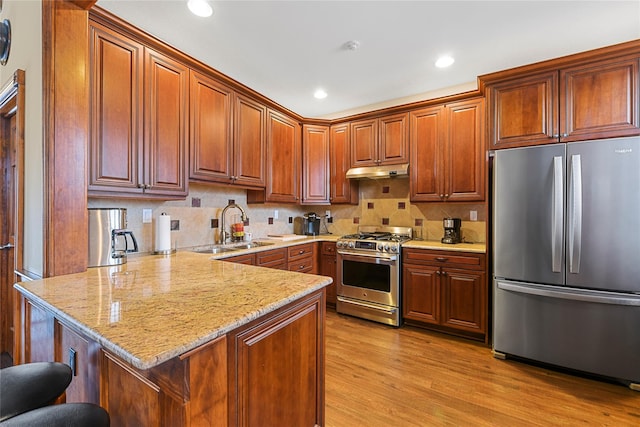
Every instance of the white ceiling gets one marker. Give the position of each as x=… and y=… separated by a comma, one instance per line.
x=287, y=49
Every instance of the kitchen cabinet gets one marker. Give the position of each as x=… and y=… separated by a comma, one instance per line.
x=445, y=291
x=448, y=152
x=593, y=100
x=284, y=161
x=274, y=258
x=227, y=138
x=233, y=379
x=328, y=268
x=248, y=259
x=380, y=141
x=302, y=258
x=342, y=190
x=315, y=164
x=138, y=114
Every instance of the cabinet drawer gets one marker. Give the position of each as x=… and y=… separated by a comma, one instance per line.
x=449, y=258
x=328, y=248
x=300, y=251
x=275, y=258
x=302, y=265
x=248, y=259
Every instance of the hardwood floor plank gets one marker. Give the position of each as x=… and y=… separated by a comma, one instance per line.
x=378, y=375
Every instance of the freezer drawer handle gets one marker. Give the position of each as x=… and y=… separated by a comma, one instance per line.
x=557, y=215
x=575, y=221
x=573, y=294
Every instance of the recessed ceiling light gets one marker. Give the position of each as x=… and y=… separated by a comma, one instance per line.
x=320, y=94
x=200, y=8
x=444, y=61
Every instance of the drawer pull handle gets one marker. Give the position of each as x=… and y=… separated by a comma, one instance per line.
x=442, y=259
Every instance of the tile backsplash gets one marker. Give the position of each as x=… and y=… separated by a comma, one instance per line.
x=381, y=201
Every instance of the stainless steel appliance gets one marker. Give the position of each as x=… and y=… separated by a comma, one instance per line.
x=108, y=243
x=368, y=273
x=451, y=230
x=311, y=224
x=566, y=241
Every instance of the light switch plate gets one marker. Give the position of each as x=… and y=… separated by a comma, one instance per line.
x=473, y=215
x=146, y=216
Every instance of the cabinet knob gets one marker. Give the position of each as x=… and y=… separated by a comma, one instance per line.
x=446, y=196
x=555, y=136
x=438, y=272
x=442, y=196
x=564, y=135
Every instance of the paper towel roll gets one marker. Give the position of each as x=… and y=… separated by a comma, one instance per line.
x=163, y=233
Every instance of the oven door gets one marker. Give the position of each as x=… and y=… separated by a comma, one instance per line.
x=368, y=277
x=369, y=287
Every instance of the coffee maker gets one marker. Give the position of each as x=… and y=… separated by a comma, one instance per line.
x=108, y=237
x=311, y=224
x=452, y=233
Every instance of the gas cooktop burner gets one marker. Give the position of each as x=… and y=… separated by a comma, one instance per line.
x=362, y=241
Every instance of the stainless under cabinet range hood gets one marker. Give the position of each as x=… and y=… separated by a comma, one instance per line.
x=373, y=172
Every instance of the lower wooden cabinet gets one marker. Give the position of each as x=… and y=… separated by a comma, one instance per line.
x=302, y=258
x=328, y=268
x=268, y=372
x=446, y=291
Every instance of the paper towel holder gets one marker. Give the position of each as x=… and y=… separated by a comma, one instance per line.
x=165, y=251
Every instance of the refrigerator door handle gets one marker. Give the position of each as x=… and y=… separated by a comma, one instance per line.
x=557, y=215
x=575, y=221
x=599, y=297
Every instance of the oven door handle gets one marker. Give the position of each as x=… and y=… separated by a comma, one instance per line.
x=364, y=304
x=354, y=255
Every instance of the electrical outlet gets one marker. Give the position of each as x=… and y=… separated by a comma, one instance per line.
x=327, y=213
x=275, y=214
x=473, y=215
x=146, y=216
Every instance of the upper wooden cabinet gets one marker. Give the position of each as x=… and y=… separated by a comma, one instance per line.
x=284, y=160
x=227, y=135
x=315, y=164
x=380, y=141
x=138, y=113
x=586, y=101
x=447, y=152
x=342, y=190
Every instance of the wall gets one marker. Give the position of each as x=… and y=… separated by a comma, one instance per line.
x=26, y=54
x=379, y=200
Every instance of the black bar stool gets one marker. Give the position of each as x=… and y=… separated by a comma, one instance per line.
x=31, y=386
x=64, y=415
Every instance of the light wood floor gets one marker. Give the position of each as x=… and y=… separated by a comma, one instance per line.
x=380, y=376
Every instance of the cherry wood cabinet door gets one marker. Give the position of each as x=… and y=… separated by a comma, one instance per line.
x=427, y=144
x=277, y=383
x=523, y=111
x=250, y=142
x=315, y=164
x=210, y=137
x=464, y=156
x=463, y=299
x=116, y=79
x=284, y=158
x=394, y=139
x=165, y=121
x=364, y=143
x=328, y=267
x=342, y=190
x=600, y=100
x=421, y=293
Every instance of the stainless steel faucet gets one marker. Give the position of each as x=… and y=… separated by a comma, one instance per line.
x=224, y=234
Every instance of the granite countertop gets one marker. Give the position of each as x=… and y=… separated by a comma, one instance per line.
x=436, y=244
x=154, y=308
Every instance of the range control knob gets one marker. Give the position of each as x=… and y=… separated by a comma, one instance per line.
x=386, y=247
x=351, y=245
x=339, y=244
x=380, y=247
x=394, y=248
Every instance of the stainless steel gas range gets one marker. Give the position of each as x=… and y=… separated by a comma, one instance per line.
x=368, y=273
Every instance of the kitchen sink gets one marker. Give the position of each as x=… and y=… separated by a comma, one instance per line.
x=215, y=250
x=252, y=245
x=218, y=249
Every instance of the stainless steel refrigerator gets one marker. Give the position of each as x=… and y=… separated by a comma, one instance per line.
x=566, y=260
